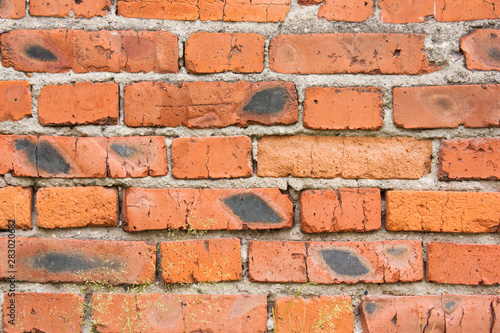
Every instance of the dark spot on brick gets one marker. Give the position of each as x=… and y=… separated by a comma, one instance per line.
x=39, y=53
x=59, y=262
x=396, y=251
x=267, y=101
x=370, y=308
x=344, y=262
x=394, y=319
x=78, y=1
x=444, y=103
x=494, y=53
x=28, y=147
x=450, y=305
x=250, y=208
x=123, y=151
x=396, y=53
x=49, y=160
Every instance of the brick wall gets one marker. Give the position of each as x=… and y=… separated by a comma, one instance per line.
x=261, y=166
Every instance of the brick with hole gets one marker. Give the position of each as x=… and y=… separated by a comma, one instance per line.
x=222, y=52
x=317, y=314
x=73, y=207
x=12, y=9
x=348, y=53
x=63, y=8
x=212, y=157
x=80, y=103
x=482, y=49
x=346, y=10
x=210, y=104
x=206, y=209
x=208, y=260
x=42, y=312
x=467, y=212
x=344, y=210
x=15, y=207
x=344, y=157
x=469, y=159
x=471, y=264
x=15, y=100
x=70, y=260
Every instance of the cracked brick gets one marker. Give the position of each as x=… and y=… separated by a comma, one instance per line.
x=15, y=100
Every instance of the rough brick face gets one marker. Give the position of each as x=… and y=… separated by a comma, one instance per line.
x=12, y=9
x=210, y=104
x=206, y=209
x=15, y=205
x=15, y=100
x=349, y=53
x=349, y=157
x=62, y=8
x=346, y=10
x=343, y=108
x=482, y=49
x=79, y=104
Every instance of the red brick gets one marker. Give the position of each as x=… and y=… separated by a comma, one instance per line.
x=318, y=314
x=209, y=260
x=368, y=53
x=71, y=207
x=210, y=104
x=443, y=211
x=90, y=51
x=447, y=106
x=206, y=209
x=212, y=157
x=43, y=312
x=398, y=11
x=435, y=313
x=346, y=10
x=342, y=210
x=176, y=313
x=221, y=52
x=471, y=264
x=343, y=108
x=15, y=205
x=12, y=9
x=80, y=103
x=472, y=159
x=62, y=8
x=71, y=260
x=204, y=10
x=482, y=49
x=15, y=100
x=345, y=157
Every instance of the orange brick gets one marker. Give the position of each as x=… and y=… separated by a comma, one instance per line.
x=62, y=8
x=209, y=260
x=15, y=206
x=210, y=104
x=471, y=264
x=43, y=312
x=368, y=53
x=221, y=52
x=71, y=260
x=443, y=211
x=342, y=210
x=346, y=10
x=71, y=207
x=349, y=157
x=482, y=49
x=80, y=103
x=343, y=108
x=12, y=9
x=212, y=157
x=206, y=209
x=15, y=100
x=314, y=315
x=471, y=159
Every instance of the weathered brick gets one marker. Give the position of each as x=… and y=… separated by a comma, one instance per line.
x=447, y=106
x=12, y=9
x=208, y=260
x=62, y=8
x=15, y=205
x=80, y=103
x=15, y=100
x=176, y=313
x=206, y=209
x=210, y=104
x=435, y=313
x=345, y=157
x=212, y=157
x=482, y=49
x=71, y=260
x=71, y=207
x=314, y=315
x=471, y=264
x=43, y=312
x=90, y=51
x=368, y=53
x=342, y=210
x=471, y=159
x=443, y=211
x=204, y=10
x=221, y=52
x=343, y=108
x=346, y=10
